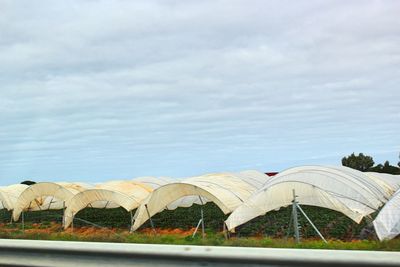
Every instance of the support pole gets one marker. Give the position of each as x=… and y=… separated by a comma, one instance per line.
x=63, y=218
x=225, y=230
x=308, y=219
x=130, y=229
x=11, y=219
x=151, y=221
x=203, y=232
x=23, y=216
x=23, y=221
x=51, y=202
x=295, y=218
x=197, y=228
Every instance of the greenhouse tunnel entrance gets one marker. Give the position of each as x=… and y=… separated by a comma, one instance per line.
x=275, y=224
x=186, y=218
x=106, y=218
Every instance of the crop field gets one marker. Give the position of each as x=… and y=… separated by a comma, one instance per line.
x=177, y=226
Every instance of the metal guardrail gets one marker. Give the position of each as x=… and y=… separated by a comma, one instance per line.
x=63, y=254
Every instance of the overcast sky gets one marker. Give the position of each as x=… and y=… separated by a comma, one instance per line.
x=99, y=90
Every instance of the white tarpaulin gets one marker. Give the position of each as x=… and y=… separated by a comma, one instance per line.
x=52, y=203
x=251, y=177
x=226, y=190
x=9, y=195
x=388, y=181
x=338, y=188
x=387, y=223
x=153, y=182
x=83, y=200
x=119, y=193
x=45, y=196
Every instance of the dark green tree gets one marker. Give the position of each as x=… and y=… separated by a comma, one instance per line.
x=359, y=162
x=385, y=168
x=28, y=182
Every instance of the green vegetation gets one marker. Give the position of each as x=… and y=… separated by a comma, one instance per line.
x=360, y=162
x=54, y=232
x=365, y=163
x=274, y=224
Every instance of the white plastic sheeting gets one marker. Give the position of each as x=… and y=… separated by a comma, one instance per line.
x=387, y=223
x=84, y=199
x=226, y=190
x=153, y=182
x=45, y=196
x=281, y=195
x=375, y=184
x=9, y=195
x=255, y=178
x=137, y=190
x=112, y=194
x=341, y=181
x=52, y=203
x=160, y=181
x=338, y=188
x=251, y=177
x=390, y=182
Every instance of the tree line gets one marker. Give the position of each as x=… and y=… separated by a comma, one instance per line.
x=366, y=163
